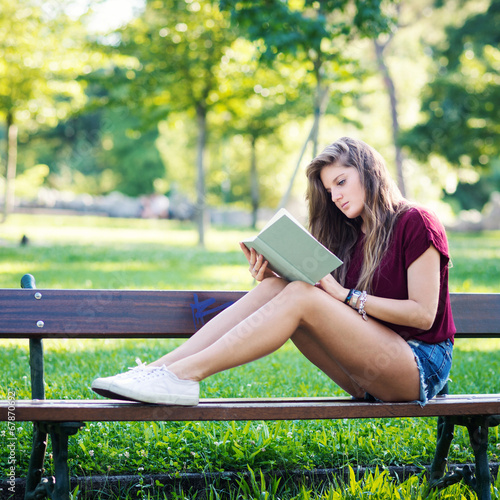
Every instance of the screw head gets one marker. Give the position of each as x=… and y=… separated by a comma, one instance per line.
x=38, y=295
x=40, y=324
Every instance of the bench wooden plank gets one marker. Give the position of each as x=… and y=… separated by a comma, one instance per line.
x=107, y=313
x=476, y=313
x=248, y=409
x=168, y=313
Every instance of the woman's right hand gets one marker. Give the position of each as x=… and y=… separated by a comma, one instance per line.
x=258, y=265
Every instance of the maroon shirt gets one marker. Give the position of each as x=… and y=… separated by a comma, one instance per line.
x=415, y=231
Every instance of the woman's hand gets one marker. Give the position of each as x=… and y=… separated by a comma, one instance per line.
x=258, y=266
x=332, y=287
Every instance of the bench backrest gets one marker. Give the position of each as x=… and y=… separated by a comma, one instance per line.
x=46, y=313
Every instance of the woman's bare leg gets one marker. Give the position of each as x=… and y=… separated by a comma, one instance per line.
x=315, y=352
x=225, y=321
x=373, y=356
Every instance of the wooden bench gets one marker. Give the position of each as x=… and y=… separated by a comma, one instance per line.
x=38, y=314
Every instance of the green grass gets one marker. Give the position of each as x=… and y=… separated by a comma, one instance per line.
x=89, y=252
x=93, y=252
x=475, y=262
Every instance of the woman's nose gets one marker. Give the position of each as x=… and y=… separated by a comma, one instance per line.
x=336, y=196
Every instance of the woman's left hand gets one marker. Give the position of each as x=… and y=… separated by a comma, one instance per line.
x=258, y=265
x=332, y=287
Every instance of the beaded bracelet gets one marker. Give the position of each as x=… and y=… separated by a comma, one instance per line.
x=361, y=308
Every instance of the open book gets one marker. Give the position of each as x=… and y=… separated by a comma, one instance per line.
x=292, y=252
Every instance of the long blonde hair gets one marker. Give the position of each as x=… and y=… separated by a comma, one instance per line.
x=383, y=205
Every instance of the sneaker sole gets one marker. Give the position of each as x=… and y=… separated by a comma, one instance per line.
x=109, y=394
x=108, y=391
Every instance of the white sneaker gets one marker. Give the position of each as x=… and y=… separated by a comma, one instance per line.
x=102, y=385
x=150, y=384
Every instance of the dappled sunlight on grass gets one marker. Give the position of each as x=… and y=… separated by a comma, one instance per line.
x=82, y=230
x=125, y=254
x=236, y=275
x=473, y=345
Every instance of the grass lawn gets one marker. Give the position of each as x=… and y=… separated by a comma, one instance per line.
x=90, y=252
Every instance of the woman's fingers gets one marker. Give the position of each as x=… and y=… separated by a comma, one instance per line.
x=255, y=263
x=258, y=265
x=261, y=273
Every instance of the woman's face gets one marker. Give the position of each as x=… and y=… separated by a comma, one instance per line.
x=344, y=186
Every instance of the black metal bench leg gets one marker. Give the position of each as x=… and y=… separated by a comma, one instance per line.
x=57, y=488
x=478, y=435
x=59, y=434
x=445, y=428
x=35, y=470
x=480, y=482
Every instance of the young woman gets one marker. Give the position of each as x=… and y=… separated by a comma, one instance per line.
x=380, y=326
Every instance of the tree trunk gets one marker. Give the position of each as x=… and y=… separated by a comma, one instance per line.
x=318, y=98
x=313, y=136
x=10, y=174
x=201, y=116
x=254, y=182
x=391, y=90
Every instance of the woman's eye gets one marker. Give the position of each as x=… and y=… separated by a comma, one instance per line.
x=341, y=183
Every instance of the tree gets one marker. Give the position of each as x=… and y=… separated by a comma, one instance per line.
x=460, y=106
x=314, y=32
x=103, y=147
x=180, y=47
x=259, y=103
x=380, y=47
x=40, y=56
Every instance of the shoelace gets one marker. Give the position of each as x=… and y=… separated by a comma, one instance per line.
x=140, y=365
x=132, y=370
x=151, y=373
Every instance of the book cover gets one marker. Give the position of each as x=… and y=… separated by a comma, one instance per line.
x=292, y=252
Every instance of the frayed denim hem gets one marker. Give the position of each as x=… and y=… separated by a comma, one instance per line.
x=434, y=364
x=423, y=386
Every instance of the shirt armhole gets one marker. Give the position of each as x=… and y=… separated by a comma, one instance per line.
x=433, y=233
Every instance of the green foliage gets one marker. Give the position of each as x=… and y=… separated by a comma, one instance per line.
x=100, y=149
x=460, y=104
x=297, y=27
x=179, y=47
x=39, y=45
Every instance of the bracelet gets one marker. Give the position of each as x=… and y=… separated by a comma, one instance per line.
x=349, y=295
x=355, y=299
x=361, y=308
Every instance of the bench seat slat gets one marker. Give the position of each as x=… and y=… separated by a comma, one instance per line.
x=248, y=409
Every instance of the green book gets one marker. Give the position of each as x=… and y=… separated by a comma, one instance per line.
x=292, y=252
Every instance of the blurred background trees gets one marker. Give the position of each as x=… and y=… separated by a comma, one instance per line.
x=223, y=103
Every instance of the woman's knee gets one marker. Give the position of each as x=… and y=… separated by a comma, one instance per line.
x=271, y=287
x=300, y=291
x=299, y=296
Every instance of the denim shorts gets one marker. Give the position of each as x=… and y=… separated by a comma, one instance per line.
x=434, y=364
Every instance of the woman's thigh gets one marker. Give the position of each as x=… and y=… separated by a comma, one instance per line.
x=373, y=356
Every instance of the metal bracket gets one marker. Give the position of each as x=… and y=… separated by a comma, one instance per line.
x=480, y=479
x=55, y=488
